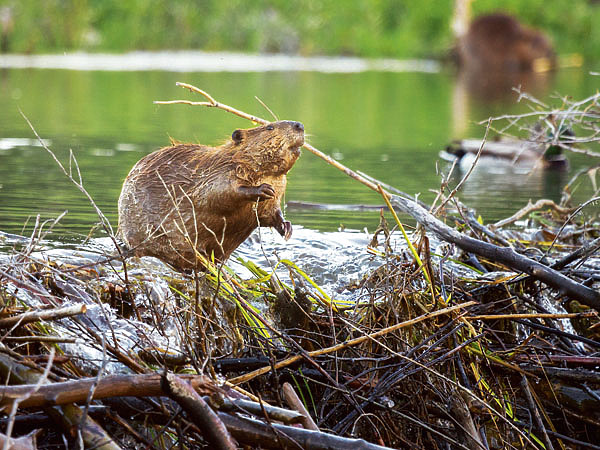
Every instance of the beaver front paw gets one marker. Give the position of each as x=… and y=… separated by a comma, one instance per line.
x=285, y=229
x=263, y=192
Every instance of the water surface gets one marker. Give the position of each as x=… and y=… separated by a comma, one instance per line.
x=389, y=123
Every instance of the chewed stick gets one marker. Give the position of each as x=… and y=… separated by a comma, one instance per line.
x=212, y=103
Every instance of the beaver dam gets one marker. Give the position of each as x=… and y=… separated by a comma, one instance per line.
x=451, y=334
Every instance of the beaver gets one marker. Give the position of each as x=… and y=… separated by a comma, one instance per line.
x=188, y=200
x=499, y=43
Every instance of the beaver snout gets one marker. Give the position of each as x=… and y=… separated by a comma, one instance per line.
x=298, y=128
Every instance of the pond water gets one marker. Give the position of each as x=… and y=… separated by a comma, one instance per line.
x=384, y=120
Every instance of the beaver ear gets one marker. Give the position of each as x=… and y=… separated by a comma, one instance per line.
x=237, y=136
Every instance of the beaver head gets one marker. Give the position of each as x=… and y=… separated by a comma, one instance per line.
x=271, y=149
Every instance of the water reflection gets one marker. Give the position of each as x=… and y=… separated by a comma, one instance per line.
x=498, y=183
x=489, y=86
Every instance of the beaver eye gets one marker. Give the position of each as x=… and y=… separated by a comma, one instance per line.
x=270, y=127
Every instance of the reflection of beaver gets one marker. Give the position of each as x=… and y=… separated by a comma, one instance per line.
x=499, y=43
x=190, y=198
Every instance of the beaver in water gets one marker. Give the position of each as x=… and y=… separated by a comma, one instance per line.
x=187, y=199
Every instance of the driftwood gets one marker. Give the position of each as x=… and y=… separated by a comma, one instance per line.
x=292, y=399
x=503, y=255
x=262, y=409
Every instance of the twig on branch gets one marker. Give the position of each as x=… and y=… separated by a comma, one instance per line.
x=212, y=103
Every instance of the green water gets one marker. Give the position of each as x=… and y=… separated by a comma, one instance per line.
x=389, y=125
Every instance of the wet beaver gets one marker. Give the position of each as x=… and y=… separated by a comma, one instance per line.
x=188, y=199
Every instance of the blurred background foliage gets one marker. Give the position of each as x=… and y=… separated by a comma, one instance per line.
x=369, y=28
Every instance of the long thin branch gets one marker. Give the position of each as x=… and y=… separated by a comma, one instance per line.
x=503, y=255
x=212, y=103
x=529, y=208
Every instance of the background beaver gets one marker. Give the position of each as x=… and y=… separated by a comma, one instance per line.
x=190, y=198
x=499, y=43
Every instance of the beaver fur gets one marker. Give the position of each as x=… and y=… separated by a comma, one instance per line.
x=187, y=199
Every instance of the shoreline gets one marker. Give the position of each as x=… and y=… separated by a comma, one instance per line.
x=199, y=61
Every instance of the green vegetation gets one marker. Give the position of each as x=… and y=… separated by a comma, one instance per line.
x=388, y=28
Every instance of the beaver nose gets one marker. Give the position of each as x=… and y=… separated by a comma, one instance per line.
x=298, y=126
